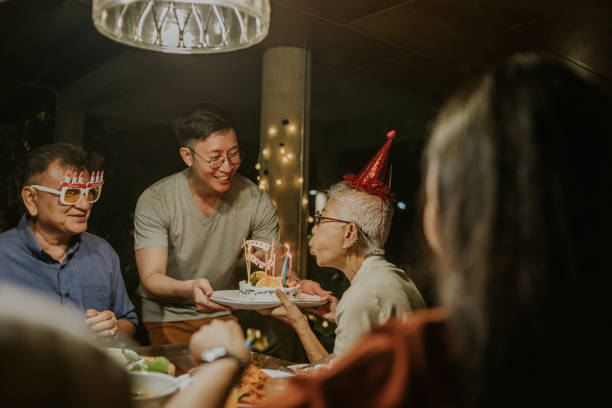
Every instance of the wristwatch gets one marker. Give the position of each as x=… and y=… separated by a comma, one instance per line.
x=219, y=352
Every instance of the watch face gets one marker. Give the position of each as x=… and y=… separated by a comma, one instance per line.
x=213, y=354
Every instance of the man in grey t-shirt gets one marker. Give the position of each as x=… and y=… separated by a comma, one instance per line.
x=189, y=228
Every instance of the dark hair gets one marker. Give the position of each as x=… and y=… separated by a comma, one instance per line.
x=523, y=188
x=200, y=123
x=45, y=366
x=40, y=158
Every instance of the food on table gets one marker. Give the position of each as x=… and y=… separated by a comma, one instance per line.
x=252, y=389
x=156, y=364
x=123, y=357
x=134, y=362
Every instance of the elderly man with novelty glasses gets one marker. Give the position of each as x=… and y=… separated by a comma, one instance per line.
x=50, y=251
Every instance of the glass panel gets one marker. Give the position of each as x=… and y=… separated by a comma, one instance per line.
x=93, y=194
x=72, y=195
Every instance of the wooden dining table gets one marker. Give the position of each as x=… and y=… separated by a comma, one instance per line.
x=178, y=354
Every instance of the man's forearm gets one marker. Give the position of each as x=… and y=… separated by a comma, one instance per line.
x=166, y=289
x=314, y=350
x=126, y=328
x=209, y=387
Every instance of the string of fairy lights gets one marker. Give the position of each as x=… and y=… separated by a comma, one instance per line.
x=281, y=153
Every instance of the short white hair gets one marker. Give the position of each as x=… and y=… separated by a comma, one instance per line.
x=368, y=212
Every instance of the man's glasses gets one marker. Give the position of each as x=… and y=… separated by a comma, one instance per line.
x=72, y=195
x=216, y=162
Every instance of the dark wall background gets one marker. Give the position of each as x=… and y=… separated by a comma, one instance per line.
x=27, y=124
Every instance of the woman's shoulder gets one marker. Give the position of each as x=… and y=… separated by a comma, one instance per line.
x=377, y=272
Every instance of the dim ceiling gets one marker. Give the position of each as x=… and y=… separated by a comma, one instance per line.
x=369, y=56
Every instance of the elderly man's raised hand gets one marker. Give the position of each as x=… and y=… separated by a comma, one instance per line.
x=202, y=291
x=288, y=312
x=103, y=323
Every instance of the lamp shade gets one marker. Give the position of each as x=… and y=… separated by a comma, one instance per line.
x=183, y=27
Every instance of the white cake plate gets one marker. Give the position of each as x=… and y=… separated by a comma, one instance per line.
x=233, y=299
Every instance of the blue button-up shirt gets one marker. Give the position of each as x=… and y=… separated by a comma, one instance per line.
x=89, y=277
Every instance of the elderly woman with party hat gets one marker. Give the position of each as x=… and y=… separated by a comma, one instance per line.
x=349, y=235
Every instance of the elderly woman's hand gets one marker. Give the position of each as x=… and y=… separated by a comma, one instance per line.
x=327, y=311
x=288, y=312
x=313, y=288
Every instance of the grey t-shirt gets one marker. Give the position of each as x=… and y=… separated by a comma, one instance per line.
x=200, y=246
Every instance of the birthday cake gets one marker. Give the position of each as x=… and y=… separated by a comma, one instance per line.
x=261, y=285
x=266, y=293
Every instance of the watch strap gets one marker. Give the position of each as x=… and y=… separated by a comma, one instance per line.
x=241, y=362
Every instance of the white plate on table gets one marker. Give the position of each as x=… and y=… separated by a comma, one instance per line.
x=232, y=298
x=123, y=357
x=276, y=373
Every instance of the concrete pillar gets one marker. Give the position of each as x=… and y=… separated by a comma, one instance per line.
x=69, y=123
x=284, y=144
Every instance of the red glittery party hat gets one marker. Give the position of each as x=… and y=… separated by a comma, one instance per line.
x=374, y=177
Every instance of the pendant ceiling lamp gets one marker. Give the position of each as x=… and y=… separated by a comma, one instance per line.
x=183, y=27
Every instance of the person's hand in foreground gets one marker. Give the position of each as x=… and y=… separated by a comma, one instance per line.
x=202, y=291
x=227, y=334
x=212, y=382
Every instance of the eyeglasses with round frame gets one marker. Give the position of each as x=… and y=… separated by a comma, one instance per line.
x=216, y=162
x=320, y=219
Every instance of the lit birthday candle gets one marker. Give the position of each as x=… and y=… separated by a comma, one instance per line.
x=290, y=265
x=266, y=266
x=272, y=257
x=284, y=276
x=246, y=260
